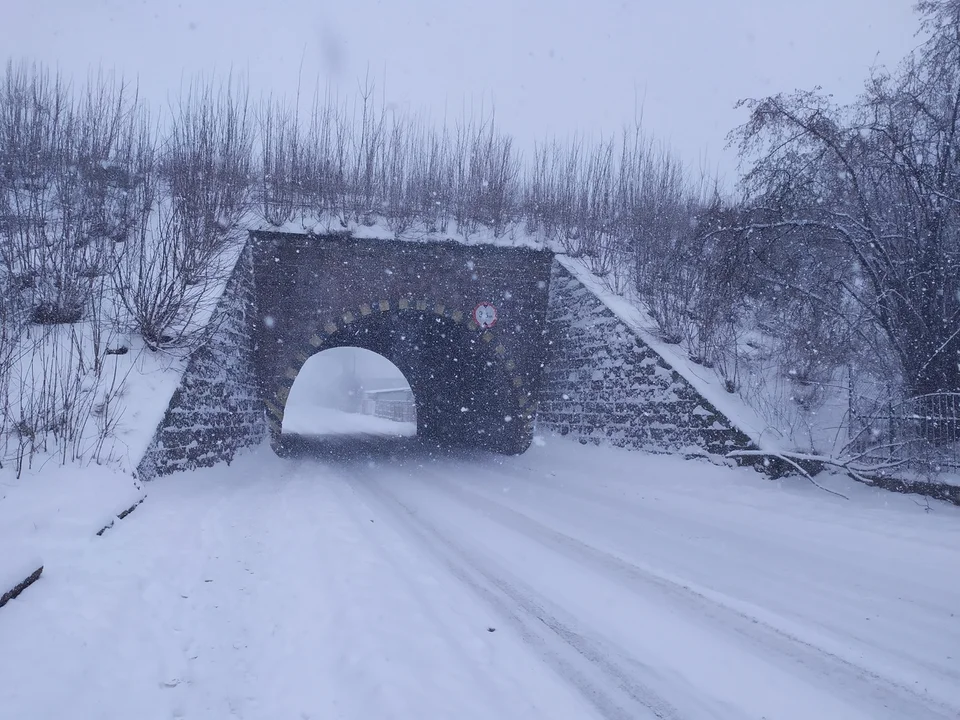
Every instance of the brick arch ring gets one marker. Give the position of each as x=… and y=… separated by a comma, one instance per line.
x=324, y=334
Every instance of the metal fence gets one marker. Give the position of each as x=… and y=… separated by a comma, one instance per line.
x=398, y=410
x=918, y=432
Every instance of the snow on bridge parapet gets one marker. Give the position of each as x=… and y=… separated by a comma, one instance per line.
x=610, y=380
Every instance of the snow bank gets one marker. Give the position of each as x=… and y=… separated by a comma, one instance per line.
x=53, y=508
x=152, y=379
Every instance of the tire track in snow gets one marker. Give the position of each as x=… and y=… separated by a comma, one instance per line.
x=898, y=701
x=630, y=509
x=613, y=690
x=690, y=517
x=393, y=557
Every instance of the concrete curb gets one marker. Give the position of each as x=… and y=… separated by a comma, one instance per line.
x=35, y=575
x=19, y=588
x=121, y=516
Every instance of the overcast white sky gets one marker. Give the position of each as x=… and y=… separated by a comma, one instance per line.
x=552, y=67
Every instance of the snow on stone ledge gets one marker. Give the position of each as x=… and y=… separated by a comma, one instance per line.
x=704, y=381
x=513, y=236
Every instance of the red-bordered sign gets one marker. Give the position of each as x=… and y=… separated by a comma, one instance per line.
x=485, y=315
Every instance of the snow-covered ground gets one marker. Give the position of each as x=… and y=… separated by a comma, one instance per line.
x=569, y=582
x=303, y=419
x=44, y=514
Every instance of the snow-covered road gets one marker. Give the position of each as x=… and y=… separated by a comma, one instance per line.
x=569, y=582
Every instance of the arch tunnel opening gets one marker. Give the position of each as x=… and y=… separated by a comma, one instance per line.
x=464, y=388
x=346, y=392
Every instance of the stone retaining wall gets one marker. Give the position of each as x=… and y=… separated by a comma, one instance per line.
x=217, y=410
x=604, y=384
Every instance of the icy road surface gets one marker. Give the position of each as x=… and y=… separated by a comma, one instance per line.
x=569, y=582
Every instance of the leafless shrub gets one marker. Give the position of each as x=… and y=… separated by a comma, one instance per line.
x=166, y=285
x=725, y=354
x=53, y=398
x=370, y=154
x=482, y=176
x=206, y=164
x=49, y=404
x=35, y=119
x=429, y=191
x=281, y=163
x=552, y=192
x=399, y=202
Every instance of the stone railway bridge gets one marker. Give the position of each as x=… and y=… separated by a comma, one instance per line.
x=557, y=356
x=413, y=304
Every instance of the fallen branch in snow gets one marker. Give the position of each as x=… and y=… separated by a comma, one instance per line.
x=925, y=505
x=784, y=458
x=860, y=473
x=867, y=474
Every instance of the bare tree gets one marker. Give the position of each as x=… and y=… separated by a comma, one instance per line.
x=281, y=163
x=879, y=179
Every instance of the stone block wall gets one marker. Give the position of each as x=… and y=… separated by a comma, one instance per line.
x=217, y=409
x=604, y=384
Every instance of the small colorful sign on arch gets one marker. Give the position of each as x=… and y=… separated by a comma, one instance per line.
x=485, y=315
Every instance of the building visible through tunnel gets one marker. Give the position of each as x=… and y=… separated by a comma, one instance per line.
x=390, y=403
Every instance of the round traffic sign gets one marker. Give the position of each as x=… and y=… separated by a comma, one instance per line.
x=485, y=315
